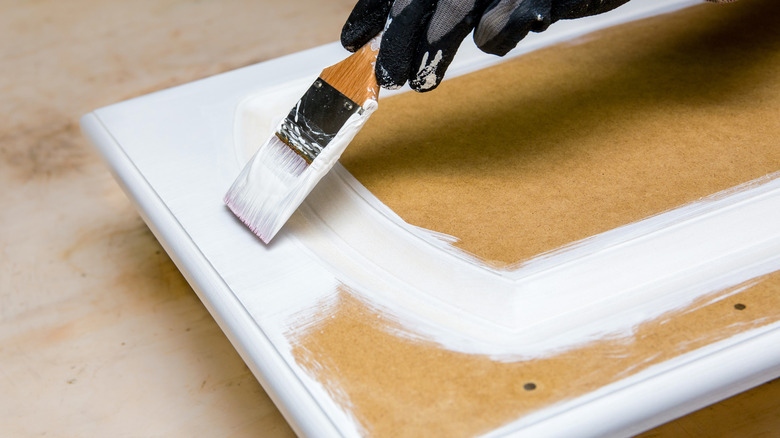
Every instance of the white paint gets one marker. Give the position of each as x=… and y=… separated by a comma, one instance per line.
x=265, y=193
x=375, y=42
x=426, y=74
x=659, y=394
x=554, y=302
x=276, y=180
x=386, y=79
x=257, y=292
x=603, y=286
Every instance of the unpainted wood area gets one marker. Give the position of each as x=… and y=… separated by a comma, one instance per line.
x=583, y=137
x=396, y=383
x=99, y=333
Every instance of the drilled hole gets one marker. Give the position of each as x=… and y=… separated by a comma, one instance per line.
x=740, y=306
x=530, y=386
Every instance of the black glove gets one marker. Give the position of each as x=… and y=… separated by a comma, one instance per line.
x=422, y=36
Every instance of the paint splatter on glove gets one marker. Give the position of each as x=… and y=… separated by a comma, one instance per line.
x=422, y=36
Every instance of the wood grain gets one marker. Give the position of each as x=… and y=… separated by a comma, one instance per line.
x=354, y=77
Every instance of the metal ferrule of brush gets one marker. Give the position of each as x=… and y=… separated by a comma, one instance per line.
x=316, y=119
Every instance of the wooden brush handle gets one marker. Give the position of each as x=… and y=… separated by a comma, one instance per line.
x=354, y=77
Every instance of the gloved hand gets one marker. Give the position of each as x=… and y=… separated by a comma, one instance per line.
x=422, y=36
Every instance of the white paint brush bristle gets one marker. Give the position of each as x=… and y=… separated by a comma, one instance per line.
x=306, y=145
x=266, y=188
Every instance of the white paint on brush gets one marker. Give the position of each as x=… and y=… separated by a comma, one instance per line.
x=376, y=41
x=258, y=293
x=602, y=286
x=277, y=179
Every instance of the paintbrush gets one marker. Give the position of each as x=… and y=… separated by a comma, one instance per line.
x=307, y=143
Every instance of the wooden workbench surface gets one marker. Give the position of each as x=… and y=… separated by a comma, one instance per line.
x=99, y=333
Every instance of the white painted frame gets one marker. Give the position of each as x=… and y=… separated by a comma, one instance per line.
x=175, y=152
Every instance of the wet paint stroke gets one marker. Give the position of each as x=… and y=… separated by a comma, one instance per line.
x=577, y=139
x=378, y=352
x=397, y=385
